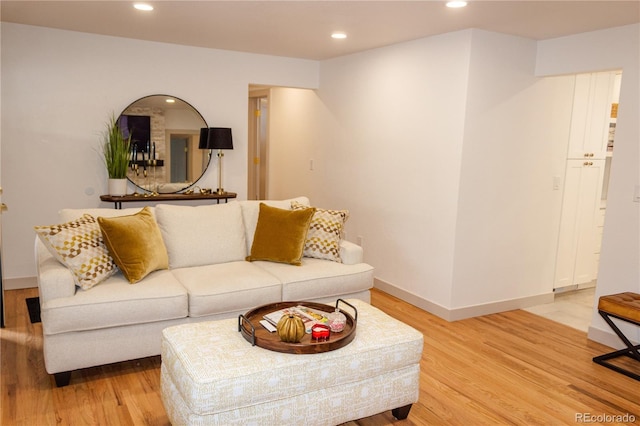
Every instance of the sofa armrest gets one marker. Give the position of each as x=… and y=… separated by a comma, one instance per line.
x=351, y=253
x=54, y=279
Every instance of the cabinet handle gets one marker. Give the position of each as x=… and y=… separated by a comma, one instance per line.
x=588, y=163
x=586, y=155
x=591, y=155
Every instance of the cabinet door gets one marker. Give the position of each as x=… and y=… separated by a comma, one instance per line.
x=576, y=261
x=590, y=117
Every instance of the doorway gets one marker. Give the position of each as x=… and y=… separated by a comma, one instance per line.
x=179, y=146
x=586, y=182
x=258, y=144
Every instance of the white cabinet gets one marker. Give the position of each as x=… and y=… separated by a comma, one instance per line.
x=581, y=218
x=593, y=95
x=577, y=258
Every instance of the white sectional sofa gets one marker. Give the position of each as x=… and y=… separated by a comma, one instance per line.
x=208, y=278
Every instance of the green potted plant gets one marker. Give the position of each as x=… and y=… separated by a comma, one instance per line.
x=116, y=150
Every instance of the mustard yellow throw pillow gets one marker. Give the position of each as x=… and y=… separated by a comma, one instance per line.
x=135, y=243
x=280, y=234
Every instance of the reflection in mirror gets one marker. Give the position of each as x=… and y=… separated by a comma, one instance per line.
x=165, y=132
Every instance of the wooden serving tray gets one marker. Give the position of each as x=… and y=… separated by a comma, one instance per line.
x=251, y=329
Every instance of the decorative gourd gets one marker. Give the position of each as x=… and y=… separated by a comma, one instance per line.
x=290, y=328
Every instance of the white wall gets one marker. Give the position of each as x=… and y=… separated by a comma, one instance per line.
x=393, y=136
x=59, y=88
x=617, y=48
x=445, y=150
x=515, y=141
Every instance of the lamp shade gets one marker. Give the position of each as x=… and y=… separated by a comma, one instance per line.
x=215, y=138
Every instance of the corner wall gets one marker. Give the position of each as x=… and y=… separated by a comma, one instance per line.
x=445, y=150
x=393, y=137
x=515, y=141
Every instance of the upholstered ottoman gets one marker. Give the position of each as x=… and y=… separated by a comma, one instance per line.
x=212, y=375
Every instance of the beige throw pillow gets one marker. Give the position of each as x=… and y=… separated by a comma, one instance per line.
x=325, y=233
x=79, y=246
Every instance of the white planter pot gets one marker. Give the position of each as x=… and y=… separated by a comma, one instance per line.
x=117, y=187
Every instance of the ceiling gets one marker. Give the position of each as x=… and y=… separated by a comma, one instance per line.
x=301, y=29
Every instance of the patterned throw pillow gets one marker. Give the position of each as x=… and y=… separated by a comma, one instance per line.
x=325, y=232
x=79, y=246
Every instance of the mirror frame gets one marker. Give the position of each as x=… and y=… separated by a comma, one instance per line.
x=208, y=154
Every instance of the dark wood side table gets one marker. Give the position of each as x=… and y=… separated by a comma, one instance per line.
x=130, y=198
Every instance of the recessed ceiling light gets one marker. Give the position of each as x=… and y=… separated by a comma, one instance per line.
x=143, y=6
x=456, y=4
x=338, y=35
x=170, y=101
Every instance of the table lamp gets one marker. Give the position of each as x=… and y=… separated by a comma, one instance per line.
x=216, y=138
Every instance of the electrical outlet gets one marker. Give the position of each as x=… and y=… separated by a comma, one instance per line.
x=636, y=194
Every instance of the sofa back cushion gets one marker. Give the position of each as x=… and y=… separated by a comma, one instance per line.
x=67, y=215
x=202, y=235
x=251, y=211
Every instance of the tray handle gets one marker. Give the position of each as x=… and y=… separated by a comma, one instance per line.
x=253, y=329
x=350, y=305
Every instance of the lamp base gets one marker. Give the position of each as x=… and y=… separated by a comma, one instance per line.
x=220, y=191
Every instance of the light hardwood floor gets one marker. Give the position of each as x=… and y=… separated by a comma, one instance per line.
x=508, y=368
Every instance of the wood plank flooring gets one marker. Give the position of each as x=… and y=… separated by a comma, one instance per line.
x=509, y=368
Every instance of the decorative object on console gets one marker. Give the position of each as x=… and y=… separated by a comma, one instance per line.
x=116, y=153
x=325, y=233
x=79, y=246
x=165, y=133
x=135, y=243
x=216, y=138
x=280, y=234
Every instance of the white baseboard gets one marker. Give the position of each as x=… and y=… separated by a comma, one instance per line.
x=19, y=283
x=467, y=311
x=608, y=337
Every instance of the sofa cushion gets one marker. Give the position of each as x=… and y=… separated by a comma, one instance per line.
x=135, y=243
x=227, y=287
x=251, y=210
x=78, y=244
x=65, y=215
x=317, y=278
x=202, y=235
x=325, y=232
x=280, y=234
x=115, y=303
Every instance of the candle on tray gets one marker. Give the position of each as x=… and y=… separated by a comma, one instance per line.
x=320, y=332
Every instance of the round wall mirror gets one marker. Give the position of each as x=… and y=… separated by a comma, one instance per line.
x=165, y=133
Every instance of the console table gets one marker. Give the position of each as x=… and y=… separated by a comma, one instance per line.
x=130, y=198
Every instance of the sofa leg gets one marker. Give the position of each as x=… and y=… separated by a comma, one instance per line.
x=62, y=379
x=402, y=412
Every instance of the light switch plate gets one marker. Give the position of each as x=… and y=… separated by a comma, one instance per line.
x=636, y=194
